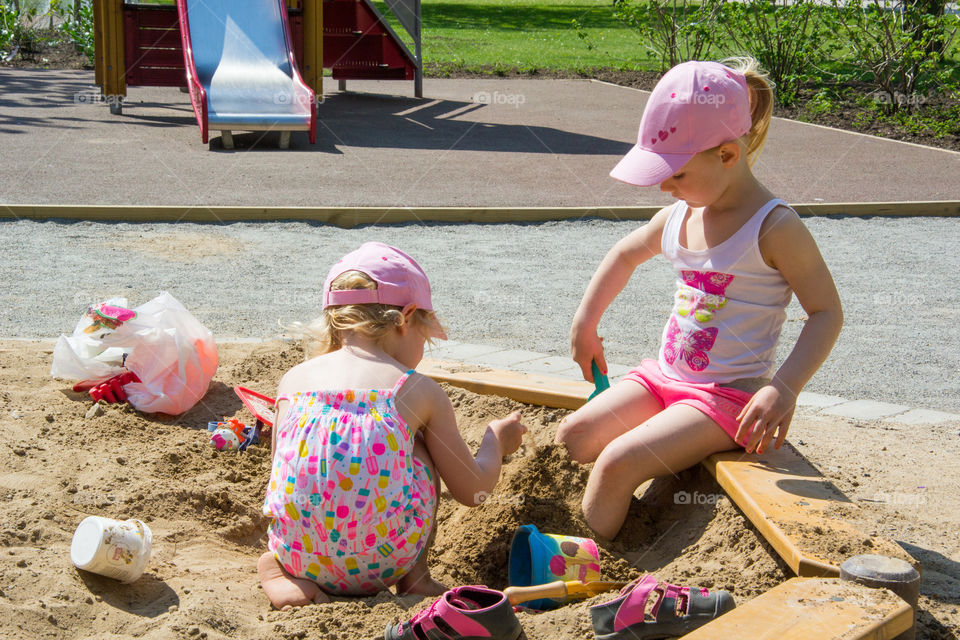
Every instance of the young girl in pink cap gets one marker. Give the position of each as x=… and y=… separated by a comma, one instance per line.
x=739, y=254
x=362, y=440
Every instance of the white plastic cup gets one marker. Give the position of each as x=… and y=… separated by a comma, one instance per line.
x=112, y=548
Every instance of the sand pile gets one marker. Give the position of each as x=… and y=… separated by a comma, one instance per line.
x=58, y=466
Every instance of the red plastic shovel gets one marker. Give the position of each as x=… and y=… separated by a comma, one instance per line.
x=260, y=406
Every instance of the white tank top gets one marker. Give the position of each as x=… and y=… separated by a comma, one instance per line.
x=728, y=309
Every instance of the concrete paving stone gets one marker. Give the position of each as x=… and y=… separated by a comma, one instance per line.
x=459, y=352
x=510, y=359
x=617, y=371
x=438, y=348
x=558, y=366
x=818, y=400
x=925, y=417
x=866, y=409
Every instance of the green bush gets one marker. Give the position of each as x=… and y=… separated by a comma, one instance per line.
x=78, y=25
x=675, y=30
x=26, y=31
x=898, y=48
x=17, y=33
x=786, y=38
x=8, y=23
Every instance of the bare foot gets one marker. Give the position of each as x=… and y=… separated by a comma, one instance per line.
x=283, y=590
x=421, y=584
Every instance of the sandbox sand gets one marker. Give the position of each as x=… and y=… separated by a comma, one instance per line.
x=58, y=466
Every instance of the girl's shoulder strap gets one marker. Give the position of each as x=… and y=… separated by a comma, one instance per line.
x=756, y=221
x=670, y=236
x=403, y=378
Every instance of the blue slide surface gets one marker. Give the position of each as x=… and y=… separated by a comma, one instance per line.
x=241, y=69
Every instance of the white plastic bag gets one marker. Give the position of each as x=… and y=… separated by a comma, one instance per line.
x=174, y=355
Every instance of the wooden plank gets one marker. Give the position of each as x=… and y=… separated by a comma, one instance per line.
x=162, y=38
x=804, y=608
x=156, y=16
x=157, y=77
x=154, y=57
x=311, y=64
x=798, y=511
x=98, y=42
x=947, y=208
x=348, y=217
x=522, y=387
x=114, y=70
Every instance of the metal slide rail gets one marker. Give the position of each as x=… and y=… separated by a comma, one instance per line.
x=408, y=14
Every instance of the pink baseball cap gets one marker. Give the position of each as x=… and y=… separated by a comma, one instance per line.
x=696, y=106
x=399, y=278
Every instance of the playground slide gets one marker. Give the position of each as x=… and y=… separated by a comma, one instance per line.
x=241, y=70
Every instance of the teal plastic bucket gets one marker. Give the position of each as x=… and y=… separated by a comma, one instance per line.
x=538, y=558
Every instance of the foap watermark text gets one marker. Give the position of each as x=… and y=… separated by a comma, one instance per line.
x=513, y=499
x=685, y=497
x=498, y=97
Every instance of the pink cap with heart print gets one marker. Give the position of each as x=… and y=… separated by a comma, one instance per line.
x=696, y=106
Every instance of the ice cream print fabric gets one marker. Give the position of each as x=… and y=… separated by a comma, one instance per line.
x=351, y=505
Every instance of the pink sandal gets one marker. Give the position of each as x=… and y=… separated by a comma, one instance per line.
x=464, y=613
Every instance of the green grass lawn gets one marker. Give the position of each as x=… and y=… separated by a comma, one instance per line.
x=489, y=35
x=507, y=34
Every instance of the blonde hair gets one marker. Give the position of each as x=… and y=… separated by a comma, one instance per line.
x=325, y=333
x=761, y=102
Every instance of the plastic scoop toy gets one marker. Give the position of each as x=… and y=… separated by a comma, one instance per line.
x=261, y=407
x=111, y=390
x=229, y=435
x=560, y=590
x=600, y=382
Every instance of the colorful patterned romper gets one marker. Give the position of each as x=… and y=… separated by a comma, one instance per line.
x=351, y=506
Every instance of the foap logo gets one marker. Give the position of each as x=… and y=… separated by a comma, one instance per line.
x=514, y=99
x=898, y=98
x=514, y=299
x=93, y=96
x=511, y=499
x=299, y=99
x=685, y=497
x=901, y=499
x=715, y=99
x=898, y=299
x=87, y=299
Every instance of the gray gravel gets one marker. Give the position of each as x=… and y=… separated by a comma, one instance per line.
x=511, y=285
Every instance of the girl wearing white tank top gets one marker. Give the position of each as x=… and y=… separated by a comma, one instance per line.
x=740, y=254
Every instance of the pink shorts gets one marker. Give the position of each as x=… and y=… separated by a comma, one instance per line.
x=720, y=404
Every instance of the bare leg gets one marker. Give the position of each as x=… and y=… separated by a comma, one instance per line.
x=671, y=441
x=417, y=580
x=283, y=590
x=589, y=429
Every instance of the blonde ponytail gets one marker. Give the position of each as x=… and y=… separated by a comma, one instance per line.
x=761, y=102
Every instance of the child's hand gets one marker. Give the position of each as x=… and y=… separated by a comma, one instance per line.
x=768, y=412
x=585, y=347
x=509, y=432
